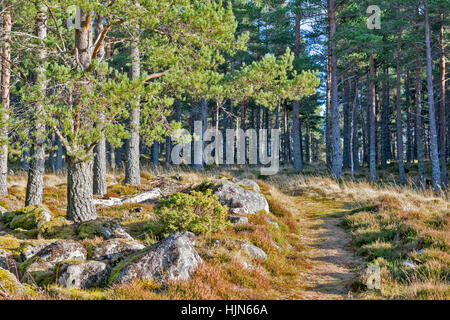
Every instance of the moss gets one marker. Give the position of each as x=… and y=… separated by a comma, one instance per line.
x=116, y=270
x=91, y=229
x=9, y=283
x=58, y=228
x=27, y=218
x=76, y=294
x=9, y=243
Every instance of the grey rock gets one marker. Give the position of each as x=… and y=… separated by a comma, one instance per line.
x=240, y=196
x=105, y=227
x=253, y=251
x=238, y=220
x=273, y=223
x=173, y=258
x=48, y=257
x=31, y=249
x=4, y=259
x=3, y=210
x=409, y=264
x=83, y=275
x=141, y=198
x=111, y=249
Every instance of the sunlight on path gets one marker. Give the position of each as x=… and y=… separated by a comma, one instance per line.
x=333, y=264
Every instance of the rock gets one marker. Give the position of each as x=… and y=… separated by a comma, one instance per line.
x=253, y=251
x=114, y=248
x=9, y=285
x=29, y=218
x=409, y=264
x=103, y=227
x=144, y=197
x=47, y=258
x=238, y=220
x=4, y=259
x=173, y=258
x=275, y=224
x=83, y=275
x=276, y=246
x=29, y=250
x=240, y=196
x=250, y=184
x=3, y=210
x=421, y=251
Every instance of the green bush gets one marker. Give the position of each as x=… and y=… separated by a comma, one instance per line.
x=196, y=212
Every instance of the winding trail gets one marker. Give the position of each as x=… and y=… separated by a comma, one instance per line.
x=333, y=265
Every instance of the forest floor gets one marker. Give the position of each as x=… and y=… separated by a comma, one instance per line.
x=328, y=231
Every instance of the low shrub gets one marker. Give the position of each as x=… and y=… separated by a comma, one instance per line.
x=196, y=212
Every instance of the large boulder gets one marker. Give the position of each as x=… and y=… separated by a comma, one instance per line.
x=242, y=197
x=115, y=248
x=103, y=227
x=28, y=250
x=9, y=285
x=47, y=258
x=83, y=275
x=173, y=258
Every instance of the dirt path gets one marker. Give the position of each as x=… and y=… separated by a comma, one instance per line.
x=333, y=265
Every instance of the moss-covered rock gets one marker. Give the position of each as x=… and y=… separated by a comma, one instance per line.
x=40, y=268
x=28, y=218
x=58, y=228
x=10, y=286
x=102, y=227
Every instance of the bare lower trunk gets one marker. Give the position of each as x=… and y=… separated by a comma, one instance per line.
x=347, y=125
x=100, y=148
x=442, y=112
x=298, y=165
x=335, y=116
x=399, y=126
x=355, y=140
x=80, y=201
x=100, y=168
x=132, y=165
x=418, y=124
x=409, y=137
x=385, y=132
x=434, y=152
x=372, y=122
x=5, y=100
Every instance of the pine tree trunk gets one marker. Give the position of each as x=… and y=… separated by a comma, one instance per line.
x=347, y=125
x=409, y=137
x=132, y=163
x=442, y=112
x=355, y=139
x=80, y=201
x=296, y=136
x=155, y=154
x=79, y=191
x=399, y=125
x=418, y=122
x=328, y=150
x=59, y=154
x=335, y=117
x=372, y=122
x=434, y=149
x=100, y=148
x=5, y=100
x=385, y=130
x=35, y=183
